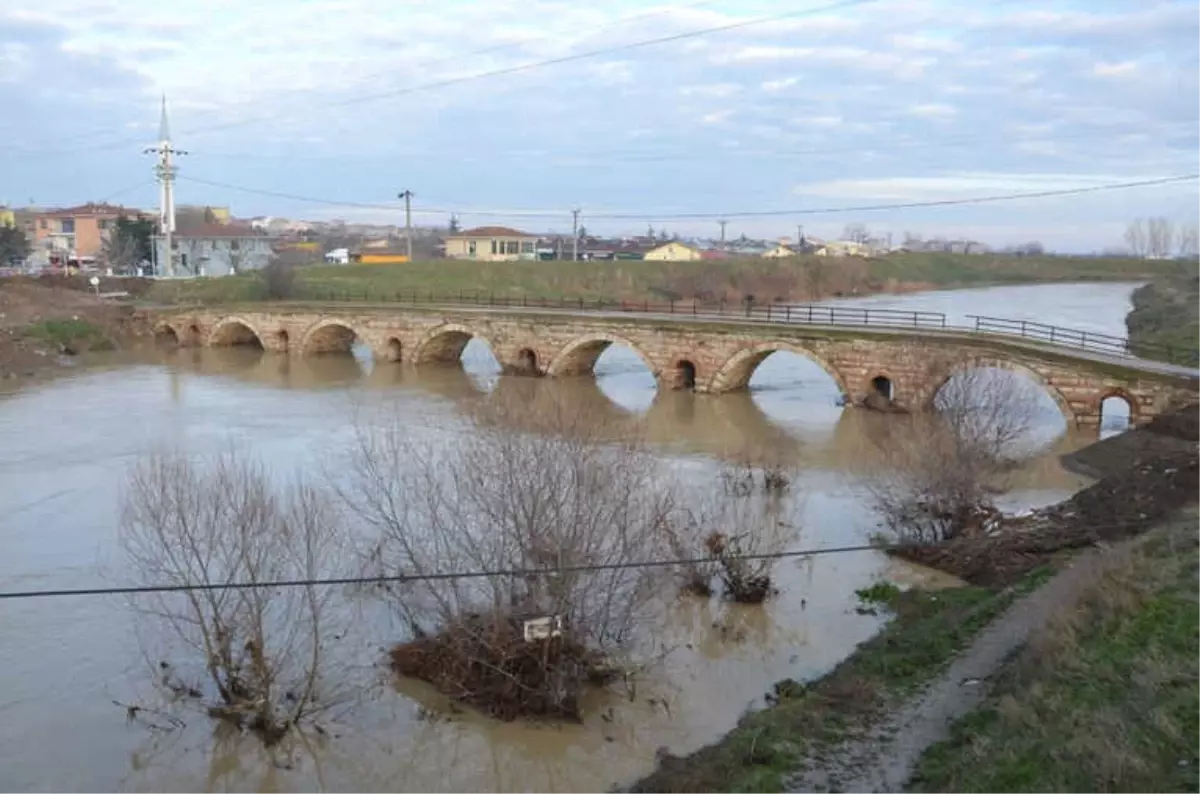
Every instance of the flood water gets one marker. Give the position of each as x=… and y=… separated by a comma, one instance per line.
x=67, y=444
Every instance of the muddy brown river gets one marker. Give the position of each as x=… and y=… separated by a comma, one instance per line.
x=67, y=443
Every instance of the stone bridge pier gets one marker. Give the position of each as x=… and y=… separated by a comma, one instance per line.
x=706, y=356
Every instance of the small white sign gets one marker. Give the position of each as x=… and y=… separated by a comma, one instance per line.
x=94, y=281
x=543, y=628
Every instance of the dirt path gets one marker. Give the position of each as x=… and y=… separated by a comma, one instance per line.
x=884, y=758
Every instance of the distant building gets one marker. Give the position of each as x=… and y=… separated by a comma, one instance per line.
x=779, y=252
x=80, y=231
x=379, y=256
x=338, y=256
x=673, y=252
x=492, y=244
x=843, y=248
x=215, y=250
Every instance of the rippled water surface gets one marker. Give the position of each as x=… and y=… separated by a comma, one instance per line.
x=67, y=443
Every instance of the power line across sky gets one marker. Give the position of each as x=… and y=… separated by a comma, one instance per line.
x=713, y=215
x=448, y=82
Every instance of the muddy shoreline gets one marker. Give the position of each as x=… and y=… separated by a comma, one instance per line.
x=1148, y=474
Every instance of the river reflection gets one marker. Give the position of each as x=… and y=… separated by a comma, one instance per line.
x=68, y=441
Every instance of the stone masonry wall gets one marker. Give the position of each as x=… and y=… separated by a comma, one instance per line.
x=722, y=358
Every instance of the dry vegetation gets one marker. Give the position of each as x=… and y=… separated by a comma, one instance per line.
x=793, y=279
x=727, y=529
x=254, y=656
x=501, y=501
x=936, y=474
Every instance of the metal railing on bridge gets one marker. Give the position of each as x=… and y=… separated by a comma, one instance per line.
x=784, y=314
x=1080, y=340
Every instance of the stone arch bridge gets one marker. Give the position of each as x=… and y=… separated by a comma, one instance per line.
x=705, y=355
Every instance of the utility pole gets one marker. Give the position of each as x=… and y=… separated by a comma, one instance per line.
x=165, y=171
x=575, y=234
x=722, y=222
x=799, y=236
x=407, y=196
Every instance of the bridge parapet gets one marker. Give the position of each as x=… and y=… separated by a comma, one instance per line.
x=691, y=352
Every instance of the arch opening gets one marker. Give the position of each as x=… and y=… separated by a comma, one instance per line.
x=1116, y=414
x=790, y=386
x=882, y=386
x=166, y=336
x=333, y=337
x=461, y=346
x=193, y=334
x=235, y=333
x=395, y=350
x=527, y=362
x=1012, y=408
x=685, y=376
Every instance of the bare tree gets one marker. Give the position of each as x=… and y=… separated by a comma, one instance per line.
x=937, y=473
x=1136, y=238
x=566, y=495
x=1160, y=237
x=253, y=656
x=856, y=233
x=734, y=526
x=1187, y=244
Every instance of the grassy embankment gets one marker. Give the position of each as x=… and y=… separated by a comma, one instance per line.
x=1103, y=699
x=70, y=335
x=1165, y=320
x=795, y=279
x=768, y=746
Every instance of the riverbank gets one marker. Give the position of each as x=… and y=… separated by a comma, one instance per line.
x=45, y=326
x=834, y=727
x=1164, y=322
x=768, y=747
x=1103, y=697
x=795, y=279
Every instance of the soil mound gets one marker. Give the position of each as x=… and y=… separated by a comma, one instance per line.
x=1155, y=481
x=489, y=664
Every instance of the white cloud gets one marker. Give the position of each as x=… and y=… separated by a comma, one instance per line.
x=954, y=185
x=932, y=110
x=711, y=90
x=779, y=84
x=1118, y=69
x=313, y=85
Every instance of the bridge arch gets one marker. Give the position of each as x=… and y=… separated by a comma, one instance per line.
x=578, y=356
x=235, y=331
x=444, y=343
x=329, y=335
x=982, y=362
x=1121, y=394
x=737, y=370
x=167, y=335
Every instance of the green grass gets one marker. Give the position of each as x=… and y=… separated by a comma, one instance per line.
x=769, y=746
x=796, y=279
x=1105, y=699
x=75, y=334
x=1165, y=320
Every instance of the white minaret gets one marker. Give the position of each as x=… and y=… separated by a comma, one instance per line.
x=165, y=171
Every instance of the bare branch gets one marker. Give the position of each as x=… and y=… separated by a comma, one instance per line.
x=219, y=521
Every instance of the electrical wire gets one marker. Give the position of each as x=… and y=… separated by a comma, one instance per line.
x=455, y=58
x=517, y=69
x=429, y=577
x=483, y=574
x=658, y=216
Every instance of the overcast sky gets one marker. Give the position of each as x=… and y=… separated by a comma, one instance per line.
x=839, y=104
